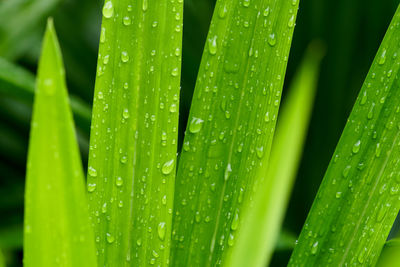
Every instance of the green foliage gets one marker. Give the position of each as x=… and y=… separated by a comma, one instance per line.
x=263, y=218
x=231, y=125
x=358, y=200
x=133, y=144
x=56, y=227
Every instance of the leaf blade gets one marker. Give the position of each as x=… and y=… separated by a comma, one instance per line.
x=131, y=174
x=211, y=179
x=56, y=217
x=257, y=238
x=358, y=186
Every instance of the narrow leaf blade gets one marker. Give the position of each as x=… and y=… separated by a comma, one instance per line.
x=231, y=125
x=133, y=142
x=56, y=226
x=358, y=201
x=258, y=236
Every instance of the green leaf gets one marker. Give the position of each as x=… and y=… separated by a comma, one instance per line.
x=56, y=226
x=2, y=261
x=231, y=125
x=390, y=254
x=133, y=144
x=258, y=236
x=18, y=21
x=358, y=199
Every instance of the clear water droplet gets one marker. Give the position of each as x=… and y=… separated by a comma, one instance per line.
x=108, y=9
x=272, y=39
x=356, y=147
x=161, y=229
x=168, y=167
x=195, y=125
x=92, y=171
x=124, y=56
x=119, y=181
x=212, y=45
x=228, y=171
x=91, y=187
x=110, y=238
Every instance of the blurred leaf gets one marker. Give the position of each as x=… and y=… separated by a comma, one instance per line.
x=390, y=254
x=263, y=217
x=231, y=125
x=11, y=237
x=358, y=201
x=133, y=144
x=18, y=20
x=17, y=83
x=56, y=226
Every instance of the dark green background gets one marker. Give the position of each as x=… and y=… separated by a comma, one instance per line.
x=350, y=29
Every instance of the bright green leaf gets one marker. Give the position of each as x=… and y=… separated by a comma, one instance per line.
x=132, y=162
x=358, y=200
x=56, y=227
x=390, y=254
x=231, y=125
x=263, y=218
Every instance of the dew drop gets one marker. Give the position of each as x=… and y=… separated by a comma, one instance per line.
x=195, y=125
x=272, y=39
x=314, y=248
x=382, y=58
x=175, y=72
x=168, y=167
x=246, y=3
x=91, y=187
x=110, y=238
x=108, y=10
x=125, y=113
x=291, y=22
x=92, y=171
x=228, y=171
x=161, y=230
x=356, y=147
x=124, y=56
x=126, y=21
x=212, y=45
x=119, y=181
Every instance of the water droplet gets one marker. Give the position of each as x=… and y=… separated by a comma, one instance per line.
x=222, y=12
x=260, y=152
x=314, y=248
x=127, y=21
x=382, y=58
x=228, y=171
x=91, y=187
x=124, y=56
x=161, y=230
x=110, y=238
x=195, y=125
x=175, y=72
x=356, y=147
x=346, y=171
x=212, y=45
x=338, y=194
x=272, y=39
x=235, y=221
x=378, y=150
x=172, y=108
x=108, y=10
x=125, y=113
x=231, y=240
x=291, y=22
x=92, y=171
x=246, y=3
x=145, y=5
x=266, y=12
x=100, y=95
x=119, y=181
x=168, y=167
x=103, y=35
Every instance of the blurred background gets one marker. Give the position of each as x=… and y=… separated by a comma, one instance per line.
x=351, y=31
